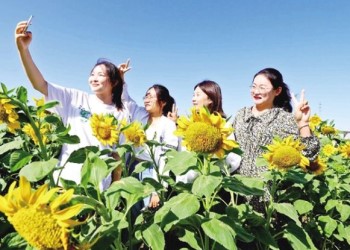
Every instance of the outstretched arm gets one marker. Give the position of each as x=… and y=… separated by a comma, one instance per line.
x=23, y=39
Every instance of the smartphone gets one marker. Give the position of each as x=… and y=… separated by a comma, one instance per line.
x=29, y=22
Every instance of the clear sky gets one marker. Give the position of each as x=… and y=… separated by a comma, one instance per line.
x=179, y=43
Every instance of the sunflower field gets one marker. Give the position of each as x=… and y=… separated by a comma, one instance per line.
x=297, y=204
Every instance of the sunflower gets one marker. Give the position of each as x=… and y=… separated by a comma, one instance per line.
x=40, y=102
x=318, y=166
x=44, y=129
x=135, y=133
x=345, y=150
x=328, y=150
x=105, y=128
x=285, y=153
x=37, y=216
x=203, y=132
x=8, y=115
x=314, y=121
x=328, y=130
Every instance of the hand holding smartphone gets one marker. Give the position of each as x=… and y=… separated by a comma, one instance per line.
x=29, y=22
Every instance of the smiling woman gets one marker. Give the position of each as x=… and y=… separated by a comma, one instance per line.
x=106, y=83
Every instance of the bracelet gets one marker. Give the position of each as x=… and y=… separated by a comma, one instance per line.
x=306, y=125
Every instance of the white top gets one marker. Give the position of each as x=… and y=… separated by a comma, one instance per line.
x=162, y=132
x=75, y=108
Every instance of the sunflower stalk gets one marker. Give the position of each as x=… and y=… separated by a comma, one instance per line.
x=25, y=109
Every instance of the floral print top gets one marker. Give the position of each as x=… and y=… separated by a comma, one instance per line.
x=252, y=131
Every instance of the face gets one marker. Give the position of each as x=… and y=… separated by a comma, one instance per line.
x=200, y=99
x=151, y=102
x=99, y=80
x=262, y=92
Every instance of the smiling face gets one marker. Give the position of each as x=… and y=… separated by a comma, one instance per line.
x=263, y=93
x=152, y=104
x=99, y=81
x=200, y=99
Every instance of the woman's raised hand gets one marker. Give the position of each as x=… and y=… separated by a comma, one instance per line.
x=302, y=109
x=124, y=67
x=173, y=114
x=23, y=37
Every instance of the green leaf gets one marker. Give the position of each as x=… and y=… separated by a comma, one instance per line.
x=244, y=185
x=180, y=162
x=261, y=162
x=205, y=185
x=328, y=225
x=36, y=171
x=79, y=156
x=131, y=189
x=331, y=204
x=94, y=170
x=177, y=208
x=22, y=94
x=345, y=187
x=298, y=238
x=154, y=237
x=53, y=119
x=17, y=144
x=264, y=236
x=190, y=238
x=288, y=210
x=344, y=211
x=344, y=232
x=298, y=176
x=13, y=241
x=48, y=105
x=303, y=206
x=18, y=159
x=226, y=235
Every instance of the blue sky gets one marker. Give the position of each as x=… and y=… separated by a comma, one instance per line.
x=180, y=43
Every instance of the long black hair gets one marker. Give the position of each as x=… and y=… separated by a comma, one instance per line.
x=213, y=91
x=163, y=96
x=116, y=80
x=276, y=79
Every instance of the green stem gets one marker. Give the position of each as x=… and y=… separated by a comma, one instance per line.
x=42, y=147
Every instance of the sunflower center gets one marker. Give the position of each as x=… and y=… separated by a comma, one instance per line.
x=104, y=130
x=203, y=138
x=3, y=115
x=286, y=156
x=38, y=227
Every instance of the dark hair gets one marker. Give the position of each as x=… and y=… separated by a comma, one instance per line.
x=116, y=80
x=276, y=79
x=163, y=96
x=213, y=91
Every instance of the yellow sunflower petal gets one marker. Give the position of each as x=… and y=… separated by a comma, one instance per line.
x=62, y=199
x=25, y=189
x=68, y=212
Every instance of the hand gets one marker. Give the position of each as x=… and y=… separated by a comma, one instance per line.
x=172, y=115
x=302, y=109
x=154, y=201
x=123, y=68
x=22, y=39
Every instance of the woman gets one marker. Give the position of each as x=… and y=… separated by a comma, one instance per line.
x=207, y=94
x=157, y=102
x=76, y=107
x=271, y=116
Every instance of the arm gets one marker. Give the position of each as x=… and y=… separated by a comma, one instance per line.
x=34, y=75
